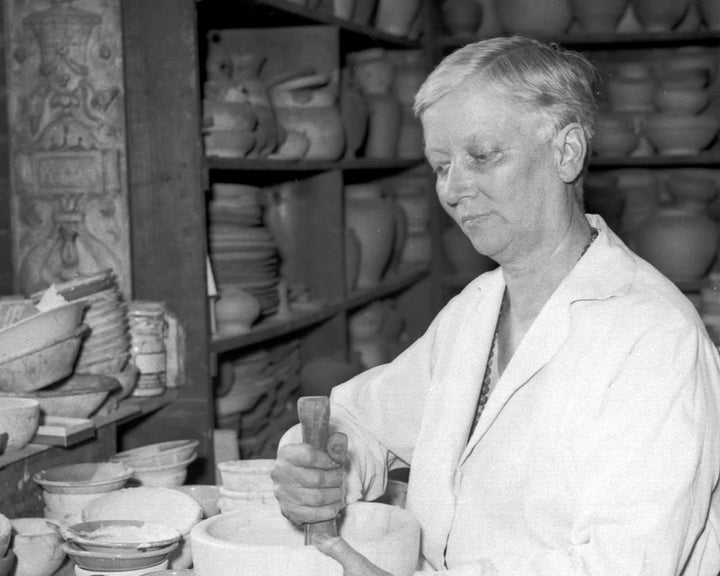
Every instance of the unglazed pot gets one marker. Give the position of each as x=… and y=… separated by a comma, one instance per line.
x=354, y=112
x=236, y=310
x=680, y=241
x=396, y=17
x=462, y=17
x=264, y=543
x=710, y=13
x=680, y=134
x=542, y=17
x=307, y=105
x=372, y=219
x=598, y=17
x=386, y=116
x=659, y=15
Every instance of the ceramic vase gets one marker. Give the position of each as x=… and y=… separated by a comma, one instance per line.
x=535, y=17
x=461, y=17
x=384, y=126
x=659, y=15
x=462, y=256
x=371, y=217
x=355, y=114
x=396, y=16
x=409, y=74
x=598, y=17
x=710, y=13
x=679, y=240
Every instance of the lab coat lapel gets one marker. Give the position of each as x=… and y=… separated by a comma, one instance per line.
x=451, y=410
x=541, y=342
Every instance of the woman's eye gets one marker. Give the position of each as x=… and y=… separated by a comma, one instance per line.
x=441, y=169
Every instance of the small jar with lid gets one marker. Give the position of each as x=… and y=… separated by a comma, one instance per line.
x=148, y=330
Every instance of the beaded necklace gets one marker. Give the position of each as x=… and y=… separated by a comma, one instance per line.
x=485, y=387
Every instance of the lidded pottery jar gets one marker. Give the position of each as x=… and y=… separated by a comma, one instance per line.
x=680, y=239
x=148, y=330
x=660, y=15
x=308, y=105
x=535, y=17
x=598, y=17
x=372, y=218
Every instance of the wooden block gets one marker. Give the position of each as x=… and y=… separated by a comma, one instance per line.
x=60, y=431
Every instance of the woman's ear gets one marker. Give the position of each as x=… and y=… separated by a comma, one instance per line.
x=572, y=148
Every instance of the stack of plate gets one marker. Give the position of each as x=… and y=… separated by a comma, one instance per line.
x=243, y=252
x=107, y=348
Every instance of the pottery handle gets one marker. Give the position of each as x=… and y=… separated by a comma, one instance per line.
x=314, y=414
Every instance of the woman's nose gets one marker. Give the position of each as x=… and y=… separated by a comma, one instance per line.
x=457, y=185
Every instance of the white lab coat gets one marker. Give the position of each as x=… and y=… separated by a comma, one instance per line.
x=598, y=452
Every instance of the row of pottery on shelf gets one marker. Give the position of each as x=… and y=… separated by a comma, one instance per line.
x=555, y=17
x=395, y=17
x=307, y=114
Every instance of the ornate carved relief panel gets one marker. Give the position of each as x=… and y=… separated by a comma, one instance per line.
x=67, y=141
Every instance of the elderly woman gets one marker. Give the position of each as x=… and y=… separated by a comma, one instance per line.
x=560, y=416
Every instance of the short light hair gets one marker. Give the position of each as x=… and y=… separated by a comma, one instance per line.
x=557, y=83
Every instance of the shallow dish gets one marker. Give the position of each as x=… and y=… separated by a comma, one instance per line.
x=114, y=561
x=169, y=475
x=86, y=478
x=122, y=535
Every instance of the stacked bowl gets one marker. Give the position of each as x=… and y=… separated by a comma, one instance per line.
x=67, y=489
x=107, y=348
x=246, y=485
x=160, y=464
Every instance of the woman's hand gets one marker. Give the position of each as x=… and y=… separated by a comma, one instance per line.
x=353, y=563
x=309, y=483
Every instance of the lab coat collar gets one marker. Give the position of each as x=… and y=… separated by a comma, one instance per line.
x=604, y=271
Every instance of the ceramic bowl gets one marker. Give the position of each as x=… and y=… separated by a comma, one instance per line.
x=42, y=329
x=37, y=546
x=158, y=454
x=19, y=417
x=7, y=563
x=43, y=366
x=5, y=533
x=76, y=397
x=247, y=475
x=207, y=495
x=263, y=541
x=154, y=504
x=84, y=478
x=168, y=475
x=116, y=560
x=120, y=536
x=691, y=186
x=680, y=134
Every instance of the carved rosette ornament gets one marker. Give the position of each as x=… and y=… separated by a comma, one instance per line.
x=67, y=141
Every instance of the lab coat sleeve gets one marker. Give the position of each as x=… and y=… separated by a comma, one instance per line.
x=648, y=464
x=380, y=410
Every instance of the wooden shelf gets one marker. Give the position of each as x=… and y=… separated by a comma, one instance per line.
x=128, y=410
x=704, y=159
x=258, y=13
x=266, y=165
x=620, y=41
x=273, y=328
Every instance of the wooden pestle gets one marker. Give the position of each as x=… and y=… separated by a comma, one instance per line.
x=314, y=414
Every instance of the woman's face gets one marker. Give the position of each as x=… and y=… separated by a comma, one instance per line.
x=495, y=168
